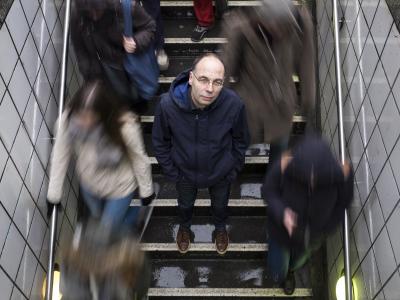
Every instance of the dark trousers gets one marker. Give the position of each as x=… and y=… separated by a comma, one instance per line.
x=219, y=194
x=282, y=259
x=152, y=7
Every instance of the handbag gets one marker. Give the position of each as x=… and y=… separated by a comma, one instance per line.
x=142, y=67
x=118, y=79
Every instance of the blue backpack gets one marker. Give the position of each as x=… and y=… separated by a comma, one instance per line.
x=142, y=67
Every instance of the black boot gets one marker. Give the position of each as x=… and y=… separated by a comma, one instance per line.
x=289, y=284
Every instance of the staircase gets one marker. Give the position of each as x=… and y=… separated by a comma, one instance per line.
x=202, y=273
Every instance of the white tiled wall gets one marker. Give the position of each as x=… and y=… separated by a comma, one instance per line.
x=370, y=47
x=30, y=53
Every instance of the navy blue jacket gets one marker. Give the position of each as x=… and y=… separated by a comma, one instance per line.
x=200, y=146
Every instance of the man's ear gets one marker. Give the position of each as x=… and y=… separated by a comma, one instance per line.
x=190, y=77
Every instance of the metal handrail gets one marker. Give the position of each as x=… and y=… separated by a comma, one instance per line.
x=346, y=246
x=54, y=214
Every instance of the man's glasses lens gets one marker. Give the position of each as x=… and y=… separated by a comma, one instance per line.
x=206, y=81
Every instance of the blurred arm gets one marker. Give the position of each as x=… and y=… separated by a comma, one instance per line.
x=144, y=27
x=345, y=196
x=59, y=163
x=231, y=51
x=132, y=135
x=240, y=138
x=162, y=145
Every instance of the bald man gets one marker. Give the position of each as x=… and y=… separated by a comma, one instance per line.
x=200, y=136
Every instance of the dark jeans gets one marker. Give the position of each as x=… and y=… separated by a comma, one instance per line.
x=219, y=194
x=111, y=212
x=282, y=259
x=152, y=7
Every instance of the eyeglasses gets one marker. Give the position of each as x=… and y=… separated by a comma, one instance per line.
x=207, y=81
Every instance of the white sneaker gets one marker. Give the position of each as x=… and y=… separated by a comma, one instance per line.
x=162, y=59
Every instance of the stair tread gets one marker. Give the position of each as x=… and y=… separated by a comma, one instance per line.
x=228, y=292
x=244, y=186
x=183, y=28
x=215, y=273
x=244, y=202
x=205, y=247
x=163, y=229
x=231, y=3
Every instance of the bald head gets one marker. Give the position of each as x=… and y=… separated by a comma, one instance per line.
x=209, y=58
x=206, y=80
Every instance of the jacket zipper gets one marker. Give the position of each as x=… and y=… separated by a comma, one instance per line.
x=196, y=142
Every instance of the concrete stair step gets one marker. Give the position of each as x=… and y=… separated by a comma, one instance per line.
x=248, y=160
x=226, y=293
x=216, y=274
x=205, y=247
x=242, y=229
x=245, y=202
x=150, y=119
x=231, y=3
x=246, y=186
x=182, y=28
x=237, y=207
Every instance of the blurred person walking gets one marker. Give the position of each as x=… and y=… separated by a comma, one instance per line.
x=97, y=34
x=200, y=137
x=93, y=267
x=266, y=45
x=111, y=162
x=307, y=191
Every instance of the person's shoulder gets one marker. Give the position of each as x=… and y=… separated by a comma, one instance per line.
x=165, y=99
x=231, y=97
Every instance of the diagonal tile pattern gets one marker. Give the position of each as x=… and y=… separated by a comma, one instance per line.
x=369, y=45
x=30, y=53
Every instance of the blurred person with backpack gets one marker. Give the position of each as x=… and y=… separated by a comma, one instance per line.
x=98, y=33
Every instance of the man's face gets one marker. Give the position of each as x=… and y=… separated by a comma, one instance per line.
x=206, y=81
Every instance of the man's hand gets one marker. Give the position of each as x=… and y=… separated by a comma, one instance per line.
x=129, y=44
x=289, y=220
x=286, y=159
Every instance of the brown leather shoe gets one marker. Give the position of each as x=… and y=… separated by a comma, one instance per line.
x=221, y=241
x=183, y=240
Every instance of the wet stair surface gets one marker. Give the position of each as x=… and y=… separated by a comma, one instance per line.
x=202, y=273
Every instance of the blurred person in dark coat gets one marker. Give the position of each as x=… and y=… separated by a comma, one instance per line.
x=97, y=34
x=307, y=191
x=266, y=46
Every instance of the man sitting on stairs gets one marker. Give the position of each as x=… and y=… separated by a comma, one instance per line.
x=200, y=136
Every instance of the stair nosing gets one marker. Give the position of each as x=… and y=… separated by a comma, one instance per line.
x=150, y=119
x=190, y=3
x=204, y=247
x=216, y=40
x=227, y=292
x=170, y=79
x=248, y=160
x=231, y=3
x=245, y=202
